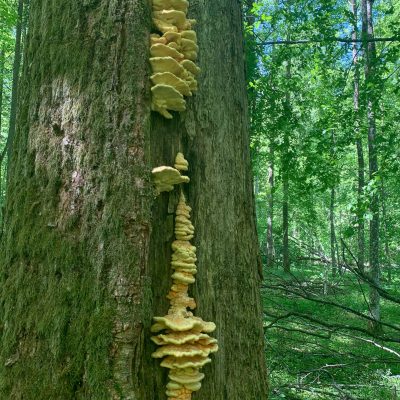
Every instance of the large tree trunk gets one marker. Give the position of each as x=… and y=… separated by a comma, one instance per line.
x=370, y=77
x=3, y=149
x=359, y=144
x=85, y=260
x=2, y=70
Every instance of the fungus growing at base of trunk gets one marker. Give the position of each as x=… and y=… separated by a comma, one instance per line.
x=174, y=53
x=185, y=345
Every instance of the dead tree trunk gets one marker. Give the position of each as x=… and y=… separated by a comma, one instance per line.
x=85, y=257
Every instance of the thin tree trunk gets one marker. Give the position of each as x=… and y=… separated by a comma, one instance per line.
x=85, y=257
x=270, y=200
x=359, y=145
x=15, y=82
x=285, y=179
x=333, y=232
x=370, y=77
x=386, y=232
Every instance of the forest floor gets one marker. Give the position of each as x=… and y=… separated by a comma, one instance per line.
x=318, y=345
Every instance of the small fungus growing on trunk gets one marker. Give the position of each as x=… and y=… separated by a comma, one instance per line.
x=166, y=177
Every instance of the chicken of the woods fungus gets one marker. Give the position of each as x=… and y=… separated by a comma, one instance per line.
x=165, y=178
x=184, y=342
x=173, y=51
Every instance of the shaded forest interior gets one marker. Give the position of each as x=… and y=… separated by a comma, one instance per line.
x=324, y=98
x=323, y=87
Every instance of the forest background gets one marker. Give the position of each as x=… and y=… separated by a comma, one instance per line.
x=325, y=144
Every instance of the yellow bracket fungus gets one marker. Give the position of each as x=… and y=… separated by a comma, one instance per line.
x=162, y=50
x=173, y=52
x=169, y=79
x=166, y=177
x=185, y=345
x=181, y=164
x=180, y=5
x=166, y=98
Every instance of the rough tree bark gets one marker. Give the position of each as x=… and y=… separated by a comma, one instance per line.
x=370, y=82
x=3, y=152
x=1, y=86
x=359, y=143
x=86, y=251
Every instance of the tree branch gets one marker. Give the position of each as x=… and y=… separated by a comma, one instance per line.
x=327, y=40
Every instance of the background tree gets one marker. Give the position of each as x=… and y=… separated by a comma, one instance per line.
x=317, y=324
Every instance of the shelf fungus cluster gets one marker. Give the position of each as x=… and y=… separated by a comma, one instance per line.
x=165, y=178
x=173, y=55
x=184, y=342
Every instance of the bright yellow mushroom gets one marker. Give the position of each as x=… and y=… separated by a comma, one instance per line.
x=183, y=340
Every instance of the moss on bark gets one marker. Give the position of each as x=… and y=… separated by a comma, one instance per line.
x=85, y=255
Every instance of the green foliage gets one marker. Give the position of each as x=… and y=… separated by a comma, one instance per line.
x=310, y=361
x=8, y=18
x=313, y=107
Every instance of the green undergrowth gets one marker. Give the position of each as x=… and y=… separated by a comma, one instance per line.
x=340, y=360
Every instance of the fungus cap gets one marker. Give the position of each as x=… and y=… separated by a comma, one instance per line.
x=174, y=17
x=166, y=98
x=180, y=324
x=189, y=23
x=180, y=337
x=191, y=67
x=174, y=45
x=190, y=35
x=166, y=64
x=166, y=177
x=194, y=386
x=183, y=265
x=169, y=79
x=179, y=245
x=182, y=377
x=185, y=362
x=189, y=45
x=155, y=38
x=180, y=161
x=162, y=50
x=184, y=277
x=186, y=350
x=163, y=26
x=172, y=37
x=181, y=5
